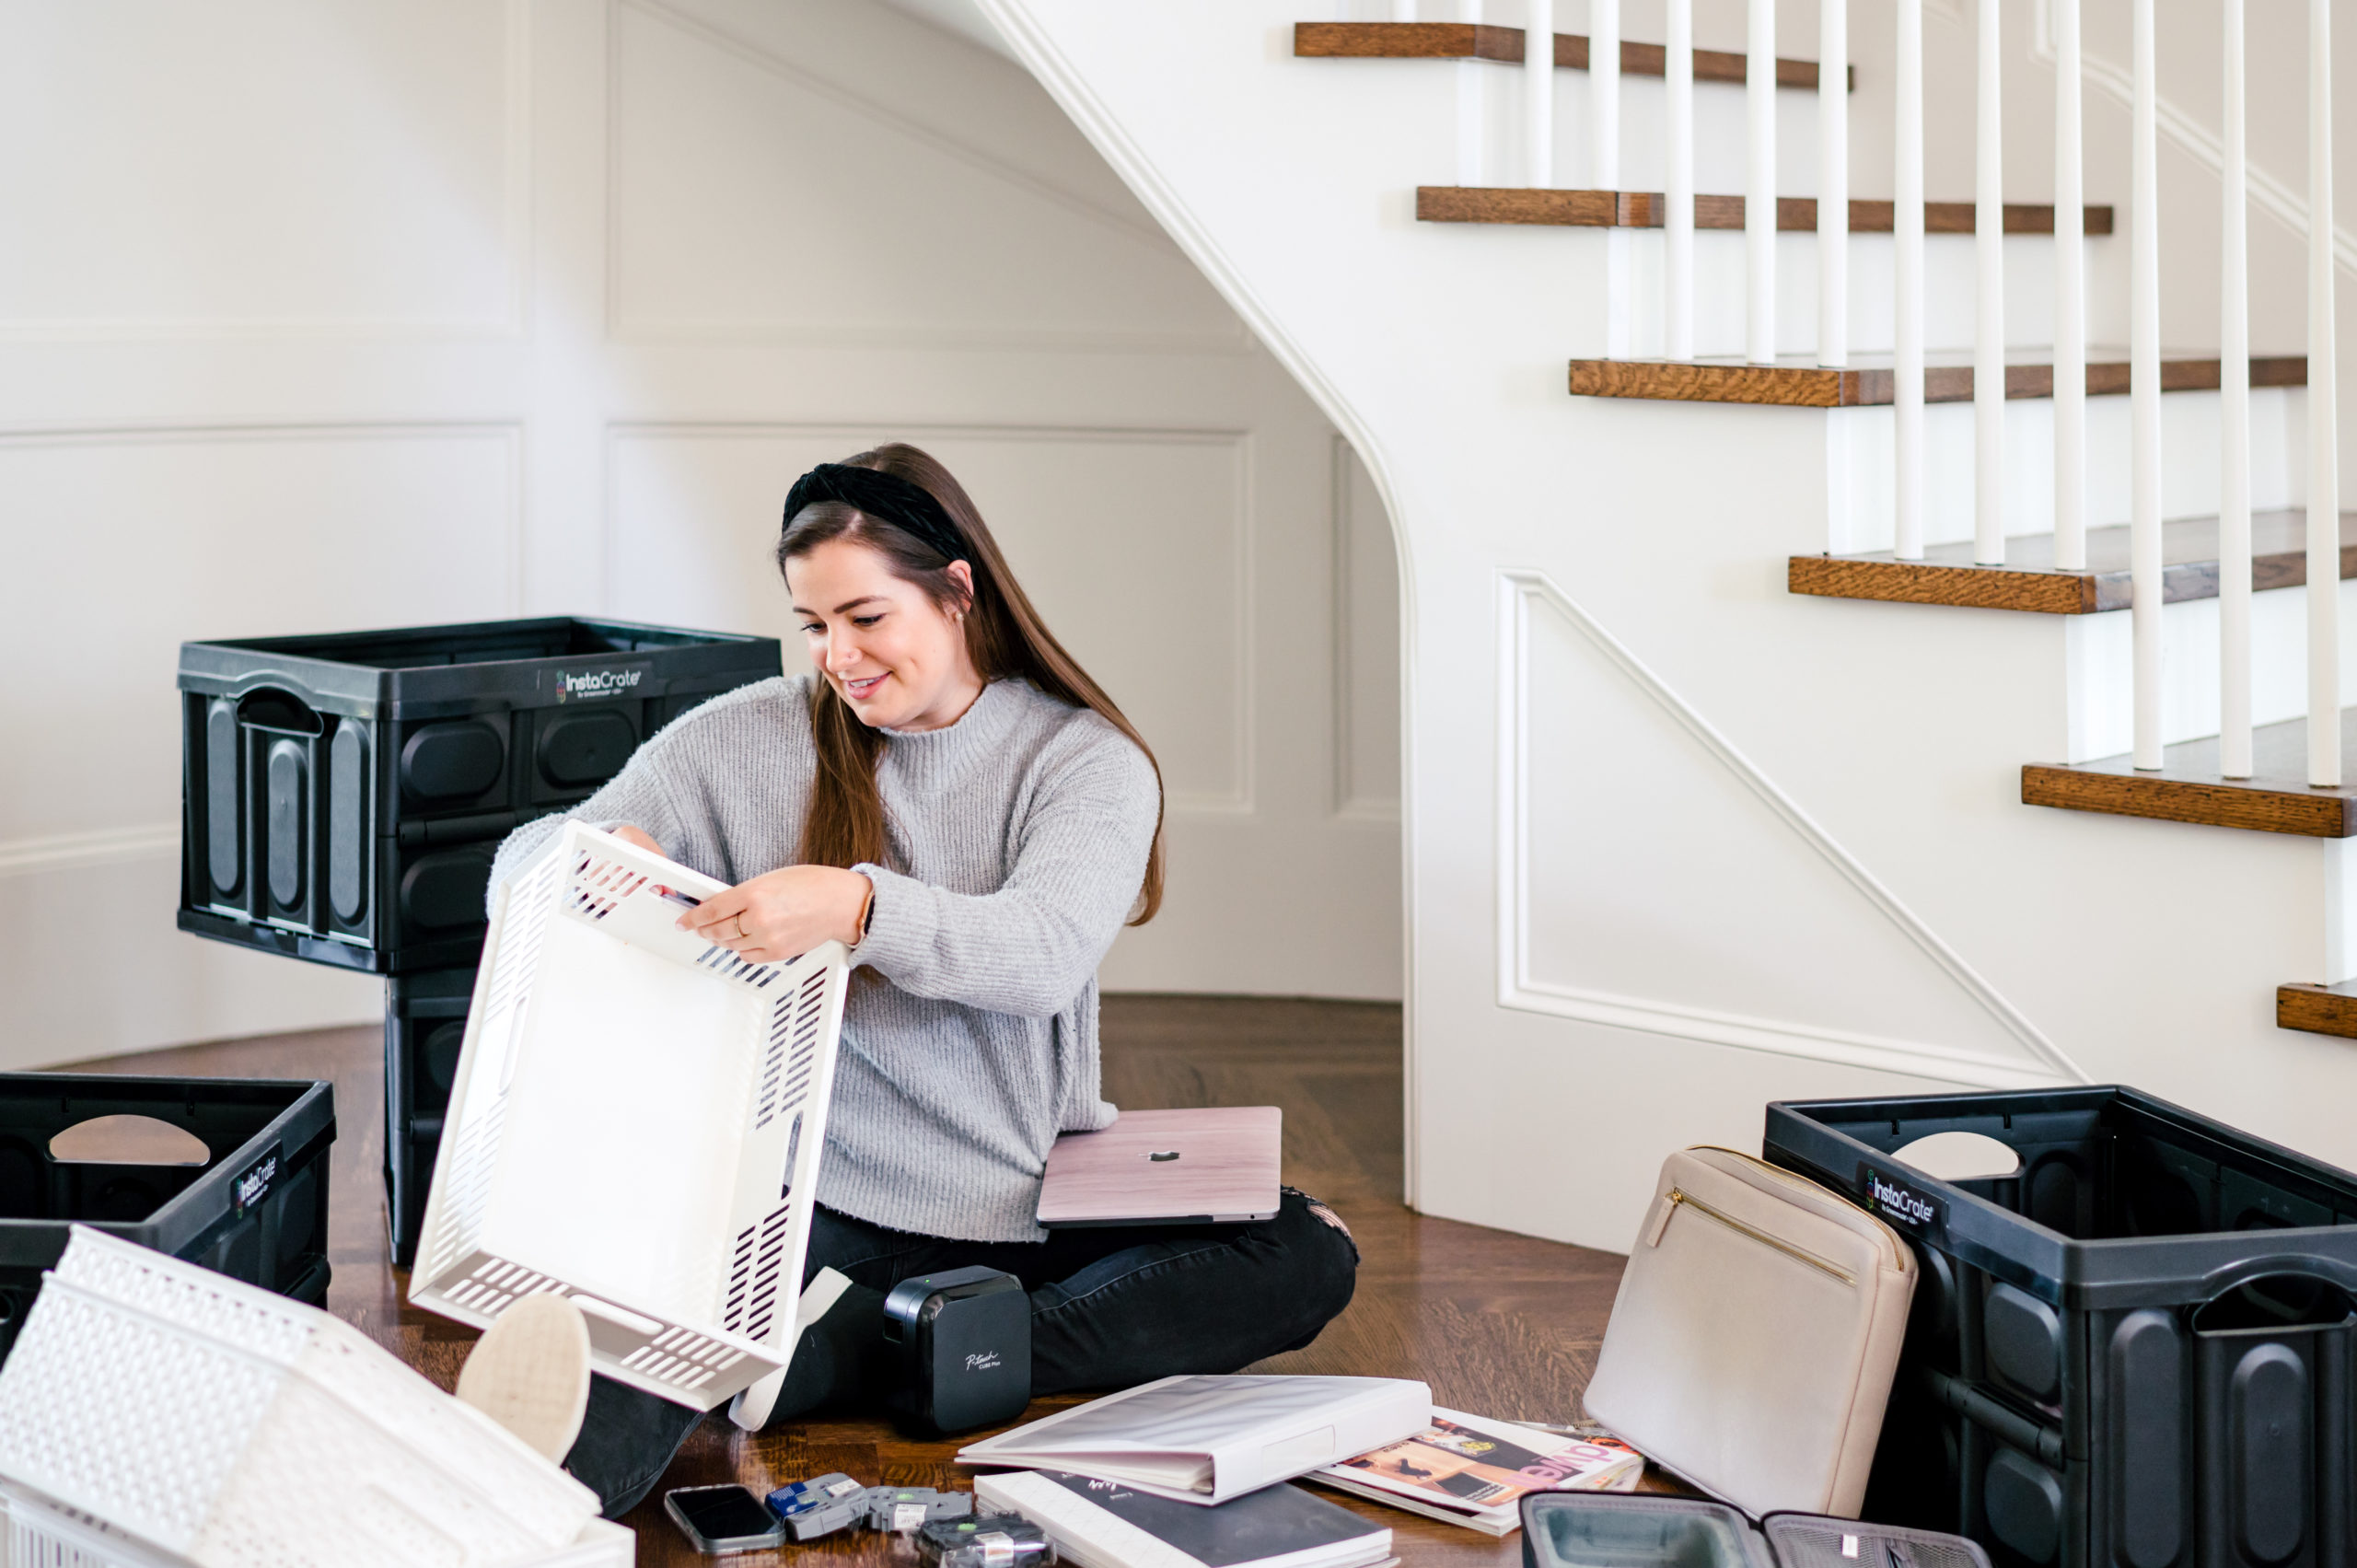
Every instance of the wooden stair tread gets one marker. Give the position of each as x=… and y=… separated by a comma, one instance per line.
x=1870, y=386
x=1479, y=40
x=2028, y=580
x=2318, y=1009
x=2188, y=787
x=1648, y=209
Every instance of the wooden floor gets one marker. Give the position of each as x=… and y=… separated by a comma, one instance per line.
x=1500, y=1325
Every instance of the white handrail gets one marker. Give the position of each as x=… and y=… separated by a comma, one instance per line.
x=1832, y=182
x=1538, y=94
x=2234, y=423
x=1759, y=187
x=2324, y=435
x=1989, y=319
x=2144, y=395
x=1678, y=223
x=1907, y=371
x=2070, y=299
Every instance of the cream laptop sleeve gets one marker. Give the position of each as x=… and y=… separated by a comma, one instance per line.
x=1755, y=1334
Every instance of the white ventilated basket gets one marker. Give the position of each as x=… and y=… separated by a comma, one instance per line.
x=208, y=1422
x=636, y=1122
x=38, y=1533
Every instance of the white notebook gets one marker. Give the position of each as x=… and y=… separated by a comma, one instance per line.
x=1208, y=1439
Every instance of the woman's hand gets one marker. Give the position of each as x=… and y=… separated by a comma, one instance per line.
x=638, y=836
x=784, y=913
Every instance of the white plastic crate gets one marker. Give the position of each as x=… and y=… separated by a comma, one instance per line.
x=636, y=1121
x=38, y=1533
x=207, y=1421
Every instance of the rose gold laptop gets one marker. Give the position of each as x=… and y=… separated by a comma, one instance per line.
x=1217, y=1166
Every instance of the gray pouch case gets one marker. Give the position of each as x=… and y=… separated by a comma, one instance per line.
x=1589, y=1529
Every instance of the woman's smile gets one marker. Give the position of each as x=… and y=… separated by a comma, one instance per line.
x=859, y=689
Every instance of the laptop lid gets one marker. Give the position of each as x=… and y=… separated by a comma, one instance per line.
x=1218, y=1164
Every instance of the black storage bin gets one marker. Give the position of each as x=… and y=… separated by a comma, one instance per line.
x=256, y=1210
x=426, y=1023
x=2134, y=1352
x=341, y=795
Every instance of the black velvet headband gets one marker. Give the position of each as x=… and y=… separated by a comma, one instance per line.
x=884, y=496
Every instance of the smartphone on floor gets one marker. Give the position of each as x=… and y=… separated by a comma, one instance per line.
x=721, y=1519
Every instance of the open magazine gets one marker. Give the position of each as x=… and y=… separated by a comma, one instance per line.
x=1474, y=1472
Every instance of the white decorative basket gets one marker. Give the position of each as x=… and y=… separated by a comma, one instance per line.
x=636, y=1121
x=152, y=1406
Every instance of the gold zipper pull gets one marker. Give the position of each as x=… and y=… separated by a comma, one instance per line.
x=1661, y=1220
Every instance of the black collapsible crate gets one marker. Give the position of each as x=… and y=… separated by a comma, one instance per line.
x=426, y=1023
x=2137, y=1351
x=341, y=795
x=256, y=1210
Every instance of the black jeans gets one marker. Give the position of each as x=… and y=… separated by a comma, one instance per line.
x=1110, y=1308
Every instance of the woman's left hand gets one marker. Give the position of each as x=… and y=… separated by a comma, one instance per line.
x=784, y=913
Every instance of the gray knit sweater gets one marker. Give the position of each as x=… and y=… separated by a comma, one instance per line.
x=1019, y=837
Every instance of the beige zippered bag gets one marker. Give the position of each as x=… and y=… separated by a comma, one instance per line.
x=1753, y=1343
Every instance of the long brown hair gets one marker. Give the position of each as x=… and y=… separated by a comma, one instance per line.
x=1005, y=637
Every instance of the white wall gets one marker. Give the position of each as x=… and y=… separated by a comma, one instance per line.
x=412, y=310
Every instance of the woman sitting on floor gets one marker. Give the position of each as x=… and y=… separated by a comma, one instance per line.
x=957, y=801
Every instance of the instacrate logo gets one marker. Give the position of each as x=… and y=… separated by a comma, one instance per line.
x=593, y=683
x=1898, y=1202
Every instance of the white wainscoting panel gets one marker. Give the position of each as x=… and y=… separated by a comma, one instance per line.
x=1133, y=544
x=262, y=166
x=1720, y=927
x=92, y=964
x=123, y=543
x=752, y=197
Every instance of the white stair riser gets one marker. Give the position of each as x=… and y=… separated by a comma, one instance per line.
x=1948, y=293
x=1860, y=482
x=2099, y=714
x=1720, y=133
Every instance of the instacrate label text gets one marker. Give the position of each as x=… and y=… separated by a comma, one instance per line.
x=253, y=1183
x=588, y=685
x=1897, y=1202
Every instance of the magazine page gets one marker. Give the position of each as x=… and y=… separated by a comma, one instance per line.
x=1469, y=1463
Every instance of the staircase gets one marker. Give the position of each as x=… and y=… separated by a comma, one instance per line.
x=1720, y=784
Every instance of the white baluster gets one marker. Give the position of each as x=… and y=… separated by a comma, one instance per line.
x=1604, y=94
x=1678, y=222
x=1471, y=132
x=2070, y=300
x=1760, y=189
x=2144, y=394
x=1907, y=370
x=1604, y=164
x=1989, y=324
x=1538, y=93
x=2234, y=457
x=1833, y=183
x=1403, y=10
x=2324, y=421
